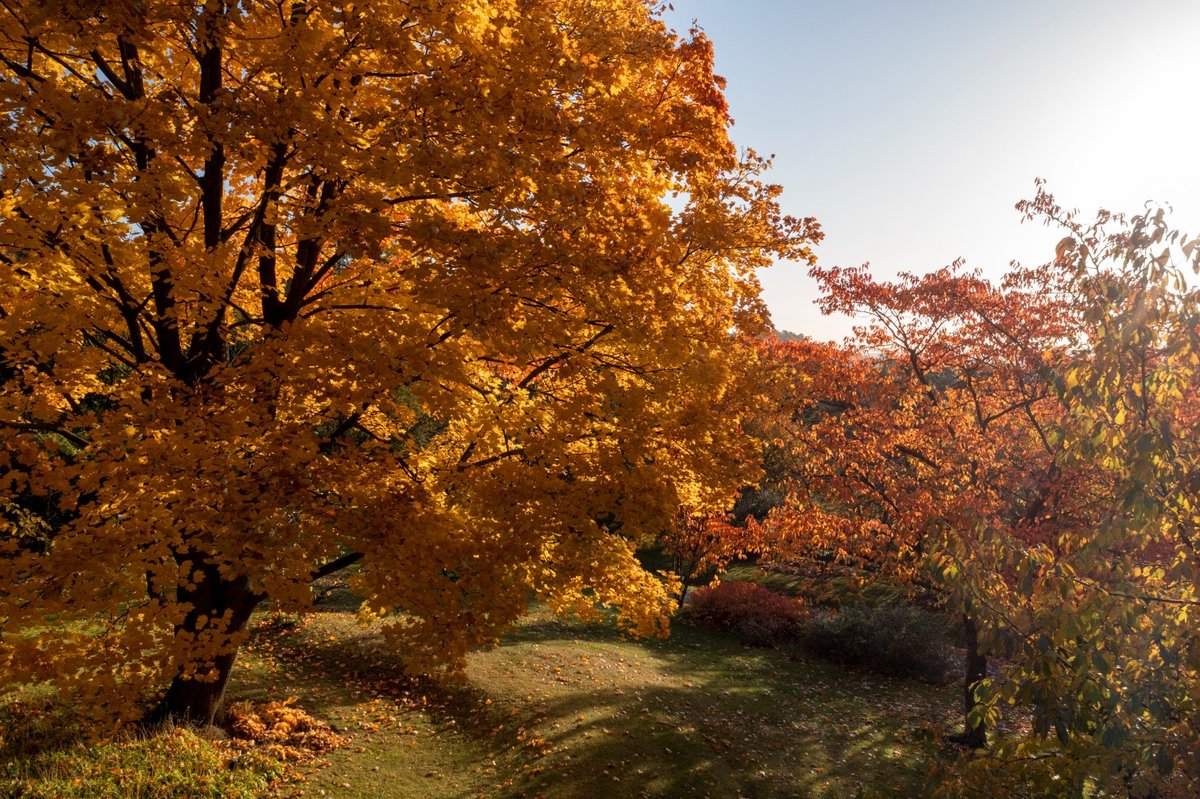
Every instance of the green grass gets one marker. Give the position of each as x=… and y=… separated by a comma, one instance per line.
x=178, y=763
x=559, y=710
x=564, y=711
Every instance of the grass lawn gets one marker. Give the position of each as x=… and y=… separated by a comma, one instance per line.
x=563, y=710
x=559, y=710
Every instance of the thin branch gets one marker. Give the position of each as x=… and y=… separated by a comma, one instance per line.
x=96, y=342
x=111, y=75
x=336, y=565
x=43, y=427
x=462, y=467
x=562, y=356
x=458, y=195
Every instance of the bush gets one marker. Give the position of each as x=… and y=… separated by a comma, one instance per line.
x=897, y=640
x=757, y=616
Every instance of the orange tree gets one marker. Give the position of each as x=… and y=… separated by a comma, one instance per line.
x=699, y=544
x=435, y=288
x=932, y=421
x=1033, y=445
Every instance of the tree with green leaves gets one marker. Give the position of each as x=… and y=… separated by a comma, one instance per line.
x=1099, y=619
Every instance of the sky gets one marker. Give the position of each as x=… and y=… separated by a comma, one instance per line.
x=910, y=128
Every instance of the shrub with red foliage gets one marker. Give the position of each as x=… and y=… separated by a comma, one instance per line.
x=756, y=615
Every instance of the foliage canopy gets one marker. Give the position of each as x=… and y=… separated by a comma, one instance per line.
x=449, y=288
x=1030, y=446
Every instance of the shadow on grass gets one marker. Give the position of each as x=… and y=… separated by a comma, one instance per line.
x=38, y=722
x=717, y=718
x=570, y=710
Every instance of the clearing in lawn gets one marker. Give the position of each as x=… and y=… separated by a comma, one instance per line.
x=566, y=710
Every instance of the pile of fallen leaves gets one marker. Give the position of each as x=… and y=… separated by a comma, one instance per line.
x=281, y=729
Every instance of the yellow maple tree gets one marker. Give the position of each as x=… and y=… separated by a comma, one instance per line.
x=438, y=288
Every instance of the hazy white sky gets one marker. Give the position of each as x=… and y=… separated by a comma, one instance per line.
x=911, y=128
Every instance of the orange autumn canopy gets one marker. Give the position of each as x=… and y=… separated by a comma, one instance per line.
x=445, y=287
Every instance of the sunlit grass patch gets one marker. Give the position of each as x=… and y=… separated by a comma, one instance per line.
x=174, y=764
x=560, y=710
x=570, y=711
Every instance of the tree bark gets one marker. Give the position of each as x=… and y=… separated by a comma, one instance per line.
x=974, y=736
x=198, y=702
x=683, y=592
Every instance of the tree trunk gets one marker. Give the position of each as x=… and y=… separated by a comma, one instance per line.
x=683, y=592
x=975, y=736
x=197, y=702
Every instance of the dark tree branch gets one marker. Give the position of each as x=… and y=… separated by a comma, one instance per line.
x=111, y=75
x=212, y=182
x=111, y=336
x=271, y=178
x=562, y=356
x=917, y=455
x=457, y=195
x=308, y=252
x=462, y=467
x=41, y=427
x=263, y=234
x=336, y=565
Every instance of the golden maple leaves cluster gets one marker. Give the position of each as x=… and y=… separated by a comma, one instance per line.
x=406, y=279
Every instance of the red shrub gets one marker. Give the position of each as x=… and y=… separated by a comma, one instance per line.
x=756, y=615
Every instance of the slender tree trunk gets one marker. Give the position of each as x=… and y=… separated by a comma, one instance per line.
x=683, y=592
x=677, y=566
x=974, y=736
x=191, y=701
